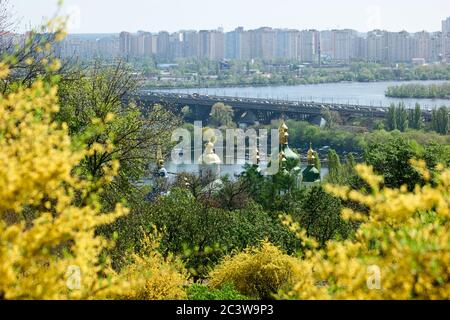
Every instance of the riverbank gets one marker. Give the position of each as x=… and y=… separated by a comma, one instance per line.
x=259, y=85
x=187, y=77
x=420, y=91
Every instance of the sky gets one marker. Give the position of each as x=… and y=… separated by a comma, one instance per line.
x=113, y=16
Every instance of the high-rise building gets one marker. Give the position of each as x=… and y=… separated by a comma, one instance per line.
x=176, y=46
x=326, y=44
x=359, y=47
x=163, y=46
x=399, y=46
x=245, y=45
x=217, y=46
x=148, y=44
x=125, y=43
x=376, y=46
x=308, y=45
x=190, y=44
x=231, y=45
x=263, y=43
x=446, y=26
x=204, y=44
x=436, y=52
x=421, y=45
x=108, y=47
x=446, y=38
x=287, y=44
x=342, y=45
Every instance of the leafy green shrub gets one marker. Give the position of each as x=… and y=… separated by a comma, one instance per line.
x=204, y=234
x=202, y=292
x=257, y=272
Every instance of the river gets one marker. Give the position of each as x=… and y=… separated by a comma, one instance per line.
x=230, y=170
x=360, y=93
x=345, y=92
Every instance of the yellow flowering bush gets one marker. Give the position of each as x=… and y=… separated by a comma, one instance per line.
x=258, y=272
x=401, y=250
x=163, y=278
x=48, y=246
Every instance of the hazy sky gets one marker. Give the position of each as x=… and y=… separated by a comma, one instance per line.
x=101, y=16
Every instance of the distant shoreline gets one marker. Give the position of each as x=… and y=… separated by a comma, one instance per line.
x=439, y=91
x=285, y=84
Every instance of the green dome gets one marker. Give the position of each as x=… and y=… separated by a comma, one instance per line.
x=311, y=174
x=292, y=159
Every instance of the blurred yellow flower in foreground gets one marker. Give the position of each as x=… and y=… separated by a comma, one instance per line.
x=401, y=250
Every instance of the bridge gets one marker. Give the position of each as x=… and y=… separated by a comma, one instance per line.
x=262, y=110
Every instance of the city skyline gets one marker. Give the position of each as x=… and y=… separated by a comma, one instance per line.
x=174, y=15
x=310, y=46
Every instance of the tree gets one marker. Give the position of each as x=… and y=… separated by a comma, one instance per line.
x=320, y=216
x=46, y=233
x=334, y=167
x=50, y=209
x=392, y=118
x=204, y=233
x=390, y=157
x=34, y=57
x=379, y=125
x=186, y=112
x=133, y=137
x=401, y=117
x=440, y=120
x=332, y=118
x=7, y=23
x=416, y=117
x=221, y=115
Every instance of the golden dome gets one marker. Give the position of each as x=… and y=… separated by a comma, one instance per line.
x=311, y=156
x=159, y=158
x=209, y=158
x=283, y=131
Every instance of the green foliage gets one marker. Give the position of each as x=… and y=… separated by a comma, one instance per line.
x=379, y=125
x=197, y=73
x=302, y=133
x=332, y=118
x=416, y=117
x=398, y=117
x=203, y=233
x=440, y=120
x=392, y=118
x=202, y=292
x=97, y=96
x=221, y=115
x=402, y=117
x=431, y=91
x=274, y=193
x=320, y=216
x=390, y=156
x=334, y=168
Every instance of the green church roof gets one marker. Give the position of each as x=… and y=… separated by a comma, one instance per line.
x=311, y=174
x=292, y=159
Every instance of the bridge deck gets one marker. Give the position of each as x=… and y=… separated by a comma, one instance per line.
x=268, y=105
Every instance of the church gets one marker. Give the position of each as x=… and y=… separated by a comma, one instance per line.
x=284, y=168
